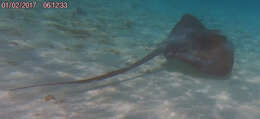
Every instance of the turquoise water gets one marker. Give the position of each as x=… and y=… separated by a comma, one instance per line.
x=92, y=37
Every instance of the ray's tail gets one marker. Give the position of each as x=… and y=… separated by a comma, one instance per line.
x=99, y=77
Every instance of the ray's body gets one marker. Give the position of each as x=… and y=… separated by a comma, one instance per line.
x=189, y=41
x=205, y=49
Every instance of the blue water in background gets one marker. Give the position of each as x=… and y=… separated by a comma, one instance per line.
x=92, y=37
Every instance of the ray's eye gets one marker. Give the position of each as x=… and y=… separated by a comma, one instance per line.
x=176, y=50
x=173, y=51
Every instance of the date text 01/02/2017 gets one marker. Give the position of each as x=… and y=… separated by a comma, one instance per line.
x=34, y=4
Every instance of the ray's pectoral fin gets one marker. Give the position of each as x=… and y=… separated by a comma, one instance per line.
x=216, y=61
x=193, y=59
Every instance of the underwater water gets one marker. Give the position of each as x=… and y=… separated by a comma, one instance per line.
x=92, y=37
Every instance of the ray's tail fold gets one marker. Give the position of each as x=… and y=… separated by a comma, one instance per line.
x=99, y=77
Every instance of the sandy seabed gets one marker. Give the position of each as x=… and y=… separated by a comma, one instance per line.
x=93, y=37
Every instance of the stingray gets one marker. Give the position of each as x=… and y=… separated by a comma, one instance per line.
x=190, y=41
